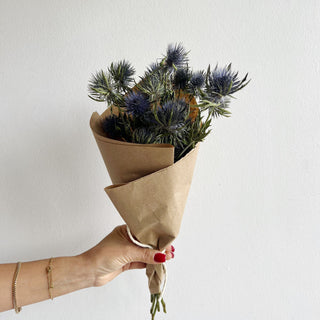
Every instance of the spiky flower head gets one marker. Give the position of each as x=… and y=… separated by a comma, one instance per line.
x=136, y=104
x=181, y=78
x=99, y=86
x=110, y=85
x=197, y=80
x=173, y=115
x=154, y=85
x=122, y=73
x=176, y=56
x=223, y=81
x=112, y=127
x=152, y=68
x=144, y=135
x=103, y=88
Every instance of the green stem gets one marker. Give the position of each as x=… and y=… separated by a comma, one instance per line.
x=186, y=148
x=155, y=306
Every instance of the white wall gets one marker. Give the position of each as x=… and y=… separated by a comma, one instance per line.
x=249, y=247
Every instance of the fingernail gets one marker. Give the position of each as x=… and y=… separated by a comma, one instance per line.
x=172, y=254
x=159, y=257
x=172, y=248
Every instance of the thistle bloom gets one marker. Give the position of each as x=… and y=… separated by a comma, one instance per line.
x=144, y=135
x=197, y=80
x=99, y=86
x=137, y=104
x=173, y=115
x=110, y=127
x=153, y=67
x=176, y=56
x=181, y=78
x=122, y=73
x=222, y=81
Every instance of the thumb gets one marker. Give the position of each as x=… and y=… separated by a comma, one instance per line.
x=150, y=256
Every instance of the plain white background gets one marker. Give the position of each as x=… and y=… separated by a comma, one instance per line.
x=249, y=246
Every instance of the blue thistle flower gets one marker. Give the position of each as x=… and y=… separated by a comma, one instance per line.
x=224, y=82
x=153, y=67
x=136, y=104
x=176, y=56
x=122, y=72
x=197, y=80
x=112, y=127
x=181, y=78
x=144, y=135
x=171, y=123
x=173, y=115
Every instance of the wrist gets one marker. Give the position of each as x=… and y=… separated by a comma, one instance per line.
x=86, y=270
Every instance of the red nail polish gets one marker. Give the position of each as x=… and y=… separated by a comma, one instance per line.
x=172, y=254
x=172, y=248
x=159, y=257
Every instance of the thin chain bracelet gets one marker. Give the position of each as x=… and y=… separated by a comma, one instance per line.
x=50, y=283
x=14, y=288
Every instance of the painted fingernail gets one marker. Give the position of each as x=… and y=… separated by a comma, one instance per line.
x=172, y=248
x=172, y=254
x=159, y=257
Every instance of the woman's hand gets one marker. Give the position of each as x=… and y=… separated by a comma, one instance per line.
x=95, y=267
x=116, y=253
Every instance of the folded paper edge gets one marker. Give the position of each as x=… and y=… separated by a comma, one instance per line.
x=119, y=185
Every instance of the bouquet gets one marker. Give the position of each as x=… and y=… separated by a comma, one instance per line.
x=149, y=137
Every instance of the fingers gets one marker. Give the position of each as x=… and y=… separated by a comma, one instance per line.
x=143, y=256
x=154, y=256
x=141, y=265
x=169, y=251
x=150, y=256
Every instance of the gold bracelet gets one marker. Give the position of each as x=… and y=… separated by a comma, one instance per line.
x=50, y=283
x=14, y=288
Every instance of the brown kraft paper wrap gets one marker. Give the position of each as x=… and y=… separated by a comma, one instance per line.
x=149, y=190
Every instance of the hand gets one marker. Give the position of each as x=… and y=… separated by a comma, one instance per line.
x=116, y=253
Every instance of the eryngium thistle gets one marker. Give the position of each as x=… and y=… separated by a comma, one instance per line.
x=172, y=116
x=197, y=80
x=122, y=73
x=144, y=135
x=181, y=78
x=155, y=85
x=103, y=88
x=176, y=56
x=136, y=104
x=153, y=67
x=113, y=127
x=222, y=82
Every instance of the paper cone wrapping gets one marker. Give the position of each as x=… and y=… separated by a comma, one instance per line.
x=149, y=190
